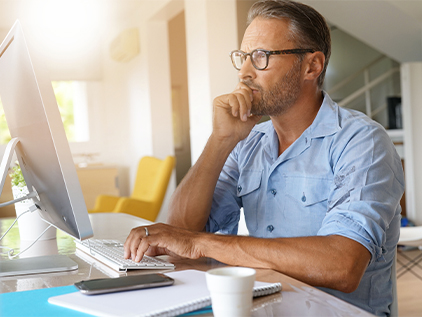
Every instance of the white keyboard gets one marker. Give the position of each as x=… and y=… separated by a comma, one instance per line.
x=111, y=253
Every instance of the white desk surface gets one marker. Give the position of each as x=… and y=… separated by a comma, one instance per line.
x=296, y=298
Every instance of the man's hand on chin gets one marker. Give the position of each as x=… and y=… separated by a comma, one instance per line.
x=232, y=114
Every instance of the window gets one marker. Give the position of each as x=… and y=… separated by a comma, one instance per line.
x=4, y=130
x=71, y=100
x=64, y=96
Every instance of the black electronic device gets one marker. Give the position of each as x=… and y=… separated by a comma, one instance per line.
x=124, y=283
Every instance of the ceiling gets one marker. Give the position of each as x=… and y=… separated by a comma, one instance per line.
x=393, y=27
x=412, y=8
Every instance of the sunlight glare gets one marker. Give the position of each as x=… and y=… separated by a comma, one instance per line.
x=66, y=25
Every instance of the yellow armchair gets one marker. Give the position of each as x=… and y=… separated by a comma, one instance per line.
x=151, y=183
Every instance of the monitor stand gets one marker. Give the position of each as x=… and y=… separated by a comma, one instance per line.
x=36, y=265
x=33, y=265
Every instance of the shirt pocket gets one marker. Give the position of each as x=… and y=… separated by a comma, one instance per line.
x=306, y=202
x=248, y=190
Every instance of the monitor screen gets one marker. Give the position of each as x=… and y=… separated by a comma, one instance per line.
x=43, y=151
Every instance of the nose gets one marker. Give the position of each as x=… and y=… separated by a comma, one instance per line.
x=247, y=71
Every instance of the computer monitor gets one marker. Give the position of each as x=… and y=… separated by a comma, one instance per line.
x=43, y=151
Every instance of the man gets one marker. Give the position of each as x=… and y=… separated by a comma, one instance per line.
x=320, y=185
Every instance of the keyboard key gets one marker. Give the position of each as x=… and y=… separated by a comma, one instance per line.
x=111, y=253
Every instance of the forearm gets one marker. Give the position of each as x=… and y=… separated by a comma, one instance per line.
x=192, y=199
x=328, y=261
x=191, y=202
x=333, y=261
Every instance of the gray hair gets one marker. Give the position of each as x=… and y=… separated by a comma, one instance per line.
x=308, y=28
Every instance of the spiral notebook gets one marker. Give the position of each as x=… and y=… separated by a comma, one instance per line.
x=188, y=293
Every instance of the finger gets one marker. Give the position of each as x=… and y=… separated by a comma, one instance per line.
x=244, y=108
x=149, y=246
x=126, y=249
x=142, y=248
x=242, y=86
x=128, y=242
x=234, y=104
x=136, y=240
x=126, y=254
x=246, y=91
x=154, y=251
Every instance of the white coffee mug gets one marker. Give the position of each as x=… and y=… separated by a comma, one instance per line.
x=231, y=290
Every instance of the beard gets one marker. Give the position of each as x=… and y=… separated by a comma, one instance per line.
x=280, y=97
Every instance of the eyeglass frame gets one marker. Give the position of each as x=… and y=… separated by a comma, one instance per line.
x=268, y=54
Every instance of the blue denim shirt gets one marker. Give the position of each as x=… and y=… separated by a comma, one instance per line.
x=342, y=176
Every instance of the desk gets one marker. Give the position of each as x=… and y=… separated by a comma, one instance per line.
x=296, y=298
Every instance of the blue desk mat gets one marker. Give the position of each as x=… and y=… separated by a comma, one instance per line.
x=35, y=303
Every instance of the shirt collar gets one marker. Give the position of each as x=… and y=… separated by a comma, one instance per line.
x=326, y=122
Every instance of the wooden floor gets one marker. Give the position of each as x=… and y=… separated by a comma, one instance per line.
x=409, y=284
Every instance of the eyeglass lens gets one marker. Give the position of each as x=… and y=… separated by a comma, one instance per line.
x=259, y=59
x=237, y=58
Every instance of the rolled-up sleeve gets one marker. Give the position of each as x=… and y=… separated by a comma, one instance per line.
x=225, y=211
x=366, y=191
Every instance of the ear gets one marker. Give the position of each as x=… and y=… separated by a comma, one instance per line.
x=314, y=65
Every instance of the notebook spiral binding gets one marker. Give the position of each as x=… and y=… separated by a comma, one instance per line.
x=267, y=290
x=182, y=309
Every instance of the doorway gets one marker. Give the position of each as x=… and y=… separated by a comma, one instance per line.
x=179, y=94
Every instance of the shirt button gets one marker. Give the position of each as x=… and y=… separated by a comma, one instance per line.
x=270, y=228
x=239, y=188
x=274, y=192
x=303, y=197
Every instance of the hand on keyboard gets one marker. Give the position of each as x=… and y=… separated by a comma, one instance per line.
x=111, y=253
x=161, y=239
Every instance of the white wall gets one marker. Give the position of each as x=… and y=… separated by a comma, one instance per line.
x=211, y=27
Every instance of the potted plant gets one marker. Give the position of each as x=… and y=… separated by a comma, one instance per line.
x=30, y=225
x=19, y=188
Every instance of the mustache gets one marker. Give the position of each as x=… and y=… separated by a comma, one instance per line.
x=251, y=84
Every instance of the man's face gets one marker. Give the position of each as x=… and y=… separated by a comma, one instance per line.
x=276, y=88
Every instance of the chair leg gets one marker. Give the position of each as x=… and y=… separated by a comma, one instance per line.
x=407, y=267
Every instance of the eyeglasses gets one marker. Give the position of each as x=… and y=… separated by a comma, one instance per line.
x=259, y=57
